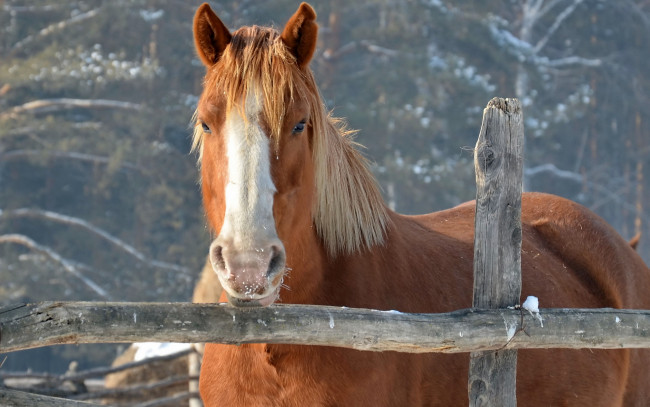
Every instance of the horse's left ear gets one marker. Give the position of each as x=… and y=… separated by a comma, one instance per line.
x=300, y=34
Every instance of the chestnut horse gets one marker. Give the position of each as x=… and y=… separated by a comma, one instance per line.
x=301, y=220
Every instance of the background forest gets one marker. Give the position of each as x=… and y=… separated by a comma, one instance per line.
x=98, y=192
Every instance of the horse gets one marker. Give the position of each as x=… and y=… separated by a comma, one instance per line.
x=299, y=219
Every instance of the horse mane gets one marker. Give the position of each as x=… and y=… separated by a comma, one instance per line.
x=349, y=212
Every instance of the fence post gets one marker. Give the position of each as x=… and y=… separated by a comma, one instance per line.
x=194, y=369
x=498, y=160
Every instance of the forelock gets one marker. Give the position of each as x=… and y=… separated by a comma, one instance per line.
x=257, y=59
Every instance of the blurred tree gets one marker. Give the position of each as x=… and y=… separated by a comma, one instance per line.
x=581, y=73
x=94, y=167
x=414, y=77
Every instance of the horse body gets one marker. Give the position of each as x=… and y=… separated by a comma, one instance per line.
x=300, y=220
x=438, y=276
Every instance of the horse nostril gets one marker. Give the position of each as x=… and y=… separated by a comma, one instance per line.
x=216, y=257
x=277, y=261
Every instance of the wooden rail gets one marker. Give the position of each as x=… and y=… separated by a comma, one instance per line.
x=15, y=398
x=52, y=323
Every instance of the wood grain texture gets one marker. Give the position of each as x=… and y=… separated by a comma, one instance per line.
x=26, y=326
x=498, y=162
x=15, y=398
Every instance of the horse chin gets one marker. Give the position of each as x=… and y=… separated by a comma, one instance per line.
x=256, y=302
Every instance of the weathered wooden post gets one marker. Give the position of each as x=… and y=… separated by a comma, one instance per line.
x=498, y=160
x=194, y=369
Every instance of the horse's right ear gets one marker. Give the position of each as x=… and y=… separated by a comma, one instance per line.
x=300, y=34
x=211, y=37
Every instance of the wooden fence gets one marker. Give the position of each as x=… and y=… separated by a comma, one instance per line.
x=84, y=385
x=482, y=330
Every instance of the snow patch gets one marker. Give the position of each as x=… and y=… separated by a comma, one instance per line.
x=532, y=305
x=147, y=350
x=151, y=15
x=511, y=328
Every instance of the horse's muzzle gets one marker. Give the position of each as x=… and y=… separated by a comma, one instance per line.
x=250, y=276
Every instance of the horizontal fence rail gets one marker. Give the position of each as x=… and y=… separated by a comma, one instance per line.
x=26, y=326
x=16, y=398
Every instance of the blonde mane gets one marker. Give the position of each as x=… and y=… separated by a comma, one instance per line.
x=349, y=211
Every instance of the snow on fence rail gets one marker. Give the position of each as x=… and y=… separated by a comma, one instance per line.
x=478, y=330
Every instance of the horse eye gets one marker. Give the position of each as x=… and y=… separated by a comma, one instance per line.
x=300, y=127
x=206, y=128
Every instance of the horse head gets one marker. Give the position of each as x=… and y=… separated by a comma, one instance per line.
x=254, y=135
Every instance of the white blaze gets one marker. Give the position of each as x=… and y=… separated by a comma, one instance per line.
x=249, y=192
x=247, y=255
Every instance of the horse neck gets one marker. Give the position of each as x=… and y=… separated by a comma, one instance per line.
x=306, y=267
x=388, y=276
x=318, y=277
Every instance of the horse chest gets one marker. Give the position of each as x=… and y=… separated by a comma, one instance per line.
x=258, y=375
x=288, y=376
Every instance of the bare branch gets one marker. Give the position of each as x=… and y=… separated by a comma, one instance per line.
x=21, y=131
x=168, y=400
x=96, y=159
x=69, y=220
x=353, y=45
x=579, y=178
x=573, y=176
x=524, y=50
x=95, y=372
x=572, y=60
x=378, y=50
x=49, y=388
x=67, y=264
x=531, y=9
x=21, y=398
x=556, y=24
x=330, y=54
x=57, y=27
x=128, y=391
x=23, y=9
x=548, y=7
x=49, y=105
